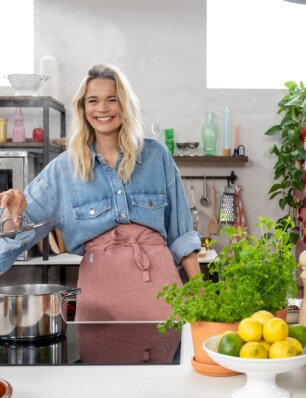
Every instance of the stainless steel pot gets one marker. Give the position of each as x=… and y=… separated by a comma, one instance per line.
x=33, y=311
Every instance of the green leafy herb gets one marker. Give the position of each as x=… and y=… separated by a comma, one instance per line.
x=253, y=274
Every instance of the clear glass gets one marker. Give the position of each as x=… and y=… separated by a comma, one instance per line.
x=210, y=134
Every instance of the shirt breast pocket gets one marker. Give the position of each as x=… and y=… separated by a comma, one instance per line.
x=150, y=207
x=91, y=215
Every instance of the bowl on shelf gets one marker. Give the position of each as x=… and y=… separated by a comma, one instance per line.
x=293, y=312
x=26, y=84
x=182, y=148
x=260, y=373
x=192, y=148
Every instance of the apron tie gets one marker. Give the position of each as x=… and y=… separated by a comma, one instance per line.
x=141, y=259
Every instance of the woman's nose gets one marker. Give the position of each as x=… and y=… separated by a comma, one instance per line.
x=103, y=106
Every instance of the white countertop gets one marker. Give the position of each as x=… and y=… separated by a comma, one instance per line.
x=152, y=381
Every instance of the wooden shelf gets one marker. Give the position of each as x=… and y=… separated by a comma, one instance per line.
x=212, y=159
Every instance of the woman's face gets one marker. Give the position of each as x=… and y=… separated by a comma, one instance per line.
x=102, y=107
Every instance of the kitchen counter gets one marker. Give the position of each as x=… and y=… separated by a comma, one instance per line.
x=151, y=381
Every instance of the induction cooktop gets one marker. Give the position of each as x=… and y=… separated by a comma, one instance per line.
x=97, y=343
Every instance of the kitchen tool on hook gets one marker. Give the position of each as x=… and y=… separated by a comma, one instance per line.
x=204, y=200
x=228, y=205
x=194, y=210
x=23, y=228
x=213, y=225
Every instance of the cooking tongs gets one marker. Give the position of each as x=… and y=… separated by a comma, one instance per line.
x=23, y=228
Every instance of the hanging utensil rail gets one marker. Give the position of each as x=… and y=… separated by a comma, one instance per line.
x=231, y=178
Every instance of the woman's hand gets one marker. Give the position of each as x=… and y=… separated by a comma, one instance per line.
x=15, y=203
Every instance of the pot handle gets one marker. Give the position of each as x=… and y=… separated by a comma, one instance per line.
x=70, y=292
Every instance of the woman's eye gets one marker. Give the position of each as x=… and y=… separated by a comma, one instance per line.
x=113, y=99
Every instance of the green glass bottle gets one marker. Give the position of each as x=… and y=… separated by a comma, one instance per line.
x=210, y=134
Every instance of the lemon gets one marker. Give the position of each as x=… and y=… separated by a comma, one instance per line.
x=262, y=316
x=296, y=344
x=298, y=332
x=275, y=329
x=282, y=349
x=253, y=350
x=250, y=329
x=230, y=344
x=265, y=344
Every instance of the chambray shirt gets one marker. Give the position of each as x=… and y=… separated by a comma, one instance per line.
x=154, y=197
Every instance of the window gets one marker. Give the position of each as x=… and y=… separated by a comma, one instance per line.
x=255, y=43
x=17, y=38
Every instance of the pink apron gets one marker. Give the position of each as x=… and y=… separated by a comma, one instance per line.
x=121, y=273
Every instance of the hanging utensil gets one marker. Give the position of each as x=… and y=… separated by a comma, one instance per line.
x=204, y=200
x=194, y=210
x=228, y=205
x=213, y=225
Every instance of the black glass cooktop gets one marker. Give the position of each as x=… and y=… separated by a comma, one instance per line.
x=97, y=344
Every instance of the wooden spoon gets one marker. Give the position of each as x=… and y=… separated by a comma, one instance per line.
x=213, y=225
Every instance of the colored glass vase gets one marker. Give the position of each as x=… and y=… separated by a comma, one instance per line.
x=19, y=130
x=210, y=134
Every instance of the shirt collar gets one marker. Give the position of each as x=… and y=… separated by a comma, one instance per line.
x=95, y=155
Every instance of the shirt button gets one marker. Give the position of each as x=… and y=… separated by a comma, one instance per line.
x=91, y=212
x=122, y=215
x=119, y=192
x=108, y=169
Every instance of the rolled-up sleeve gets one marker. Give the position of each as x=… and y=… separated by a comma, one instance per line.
x=181, y=238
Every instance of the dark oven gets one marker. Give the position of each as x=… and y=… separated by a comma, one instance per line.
x=17, y=169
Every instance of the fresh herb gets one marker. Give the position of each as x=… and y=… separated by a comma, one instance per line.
x=253, y=274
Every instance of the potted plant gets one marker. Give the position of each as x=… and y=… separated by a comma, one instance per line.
x=290, y=153
x=249, y=274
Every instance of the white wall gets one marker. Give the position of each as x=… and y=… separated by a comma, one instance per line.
x=161, y=46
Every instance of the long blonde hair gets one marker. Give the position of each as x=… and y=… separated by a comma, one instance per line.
x=82, y=134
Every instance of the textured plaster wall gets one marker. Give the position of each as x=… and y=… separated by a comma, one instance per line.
x=161, y=46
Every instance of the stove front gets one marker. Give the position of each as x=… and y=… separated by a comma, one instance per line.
x=98, y=343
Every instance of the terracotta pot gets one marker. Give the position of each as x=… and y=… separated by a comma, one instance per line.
x=282, y=314
x=201, y=362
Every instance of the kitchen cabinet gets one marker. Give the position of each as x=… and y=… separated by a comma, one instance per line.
x=46, y=104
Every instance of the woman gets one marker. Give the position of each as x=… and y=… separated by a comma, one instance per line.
x=118, y=200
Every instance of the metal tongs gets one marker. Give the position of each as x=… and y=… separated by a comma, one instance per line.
x=26, y=227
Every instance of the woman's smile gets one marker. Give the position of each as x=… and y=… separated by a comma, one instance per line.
x=102, y=106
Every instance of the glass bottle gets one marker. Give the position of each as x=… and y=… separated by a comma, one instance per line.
x=18, y=130
x=210, y=134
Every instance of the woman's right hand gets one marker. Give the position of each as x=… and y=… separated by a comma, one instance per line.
x=15, y=202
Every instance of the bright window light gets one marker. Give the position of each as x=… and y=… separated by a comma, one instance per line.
x=17, y=38
x=255, y=43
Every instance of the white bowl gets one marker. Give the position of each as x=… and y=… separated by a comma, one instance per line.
x=293, y=315
x=26, y=84
x=261, y=373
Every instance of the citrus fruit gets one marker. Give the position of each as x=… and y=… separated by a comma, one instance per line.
x=250, y=329
x=262, y=316
x=222, y=334
x=265, y=344
x=275, y=329
x=253, y=350
x=298, y=332
x=230, y=344
x=282, y=349
x=296, y=344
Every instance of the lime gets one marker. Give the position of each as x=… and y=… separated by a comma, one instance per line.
x=230, y=344
x=282, y=349
x=298, y=332
x=262, y=316
x=250, y=329
x=253, y=350
x=275, y=329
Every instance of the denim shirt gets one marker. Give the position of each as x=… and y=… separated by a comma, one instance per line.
x=154, y=197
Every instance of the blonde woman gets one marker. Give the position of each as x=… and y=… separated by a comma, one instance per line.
x=118, y=200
